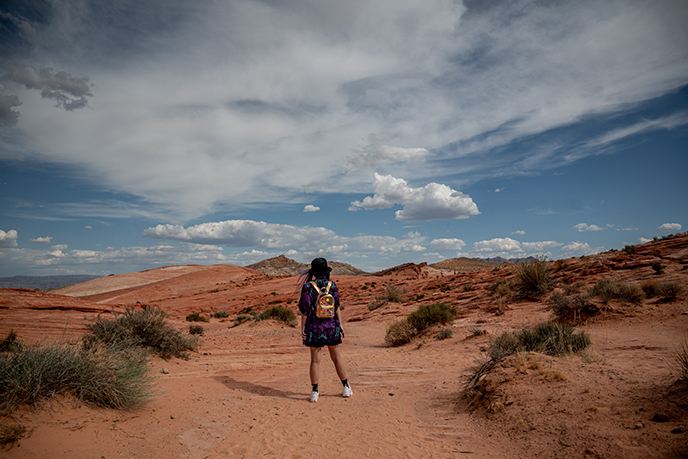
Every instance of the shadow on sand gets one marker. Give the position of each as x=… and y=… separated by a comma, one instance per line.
x=257, y=389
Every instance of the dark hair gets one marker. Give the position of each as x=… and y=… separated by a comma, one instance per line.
x=318, y=268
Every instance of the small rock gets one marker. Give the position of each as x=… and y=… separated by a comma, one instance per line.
x=171, y=416
x=679, y=429
x=391, y=394
x=165, y=371
x=660, y=417
x=639, y=425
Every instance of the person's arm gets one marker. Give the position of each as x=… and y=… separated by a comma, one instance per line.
x=303, y=326
x=341, y=322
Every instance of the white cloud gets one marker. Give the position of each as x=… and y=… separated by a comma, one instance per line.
x=446, y=244
x=669, y=227
x=88, y=227
x=375, y=153
x=419, y=74
x=60, y=247
x=519, y=232
x=43, y=240
x=577, y=249
x=432, y=202
x=311, y=208
x=497, y=245
x=643, y=240
x=8, y=239
x=585, y=227
x=270, y=236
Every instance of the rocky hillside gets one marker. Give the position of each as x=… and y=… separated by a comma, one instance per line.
x=283, y=266
x=464, y=265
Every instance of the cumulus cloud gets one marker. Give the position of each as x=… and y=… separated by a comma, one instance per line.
x=67, y=91
x=510, y=248
x=7, y=103
x=434, y=201
x=311, y=208
x=669, y=227
x=446, y=244
x=271, y=236
x=375, y=153
x=497, y=245
x=519, y=232
x=585, y=227
x=577, y=249
x=8, y=239
x=43, y=240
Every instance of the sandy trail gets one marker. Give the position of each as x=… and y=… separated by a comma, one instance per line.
x=248, y=397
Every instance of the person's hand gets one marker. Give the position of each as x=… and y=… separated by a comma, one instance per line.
x=341, y=331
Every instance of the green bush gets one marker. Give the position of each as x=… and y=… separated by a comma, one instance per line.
x=145, y=328
x=431, y=314
x=12, y=343
x=111, y=375
x=196, y=317
x=550, y=338
x=279, y=313
x=658, y=267
x=400, y=332
x=532, y=279
x=241, y=318
x=571, y=309
x=393, y=294
x=221, y=315
x=608, y=290
x=195, y=330
x=630, y=249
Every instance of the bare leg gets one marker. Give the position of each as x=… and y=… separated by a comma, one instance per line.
x=316, y=356
x=338, y=361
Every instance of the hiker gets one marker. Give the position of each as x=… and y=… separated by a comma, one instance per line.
x=321, y=323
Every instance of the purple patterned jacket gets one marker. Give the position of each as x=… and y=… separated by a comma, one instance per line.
x=319, y=332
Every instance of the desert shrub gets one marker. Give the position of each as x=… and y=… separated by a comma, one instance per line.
x=501, y=287
x=572, y=308
x=444, y=334
x=608, y=290
x=393, y=294
x=532, y=279
x=12, y=343
x=377, y=303
x=431, y=314
x=680, y=359
x=106, y=374
x=196, y=317
x=630, y=249
x=196, y=330
x=475, y=331
x=279, y=313
x=468, y=287
x=550, y=338
x=145, y=328
x=221, y=315
x=11, y=434
x=658, y=267
x=649, y=287
x=400, y=332
x=241, y=318
x=669, y=290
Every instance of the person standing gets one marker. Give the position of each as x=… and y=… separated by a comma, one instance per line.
x=318, y=332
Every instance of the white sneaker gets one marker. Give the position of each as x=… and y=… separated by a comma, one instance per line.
x=347, y=392
x=314, y=396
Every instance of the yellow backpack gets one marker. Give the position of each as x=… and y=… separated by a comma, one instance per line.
x=325, y=302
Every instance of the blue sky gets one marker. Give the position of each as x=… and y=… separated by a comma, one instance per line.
x=142, y=134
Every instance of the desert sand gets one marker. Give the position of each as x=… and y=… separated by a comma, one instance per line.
x=244, y=394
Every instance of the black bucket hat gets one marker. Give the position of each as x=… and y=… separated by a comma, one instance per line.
x=319, y=267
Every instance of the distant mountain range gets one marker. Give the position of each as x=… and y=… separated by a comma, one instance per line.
x=516, y=261
x=44, y=282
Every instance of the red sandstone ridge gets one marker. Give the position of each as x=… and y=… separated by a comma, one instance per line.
x=245, y=393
